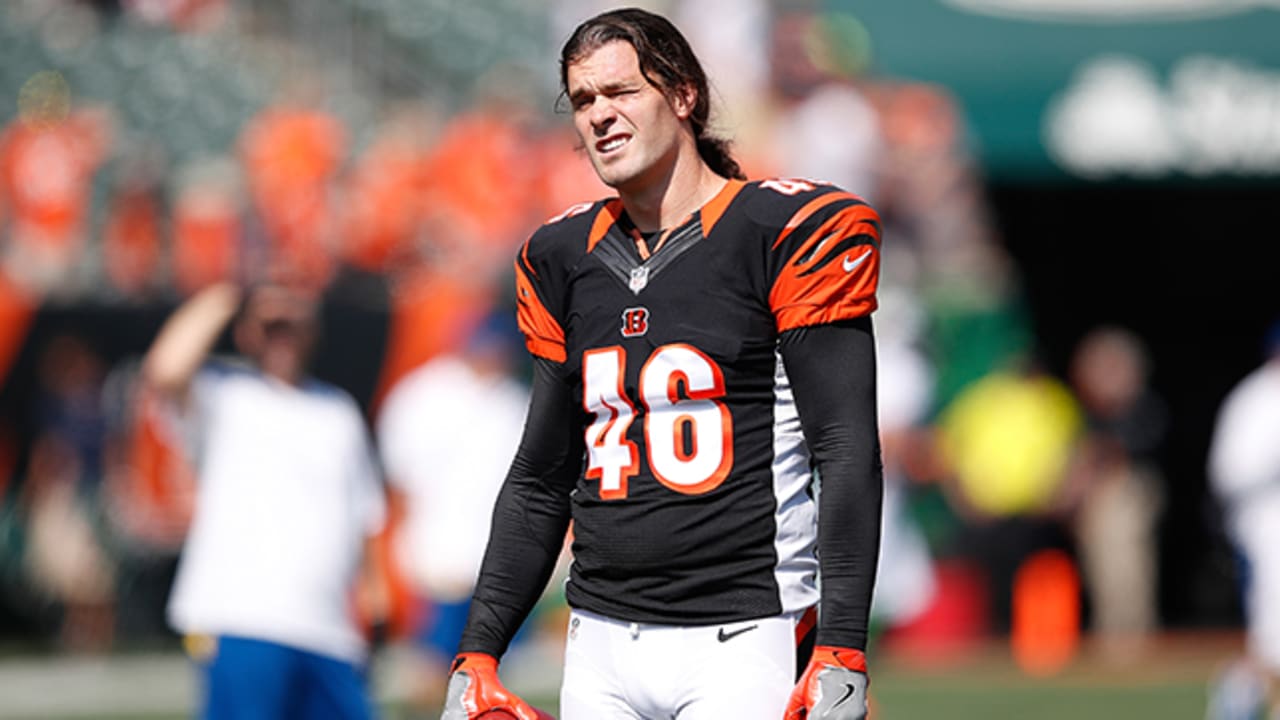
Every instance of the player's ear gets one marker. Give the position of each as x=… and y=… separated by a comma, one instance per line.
x=683, y=99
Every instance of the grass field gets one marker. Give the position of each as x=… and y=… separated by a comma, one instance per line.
x=1167, y=681
x=971, y=698
x=900, y=697
x=904, y=698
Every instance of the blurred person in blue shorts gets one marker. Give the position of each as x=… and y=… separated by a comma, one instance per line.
x=443, y=480
x=288, y=499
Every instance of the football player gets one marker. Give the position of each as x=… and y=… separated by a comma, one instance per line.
x=701, y=343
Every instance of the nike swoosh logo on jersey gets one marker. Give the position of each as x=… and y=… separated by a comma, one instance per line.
x=849, y=690
x=723, y=636
x=850, y=265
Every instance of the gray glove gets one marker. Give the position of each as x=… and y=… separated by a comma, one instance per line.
x=453, y=709
x=842, y=695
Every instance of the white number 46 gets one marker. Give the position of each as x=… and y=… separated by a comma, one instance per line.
x=688, y=436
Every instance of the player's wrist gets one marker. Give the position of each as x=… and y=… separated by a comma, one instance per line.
x=473, y=661
x=837, y=656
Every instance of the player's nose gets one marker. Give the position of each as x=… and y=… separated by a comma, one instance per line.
x=602, y=115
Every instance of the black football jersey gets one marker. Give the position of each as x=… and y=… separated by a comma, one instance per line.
x=693, y=505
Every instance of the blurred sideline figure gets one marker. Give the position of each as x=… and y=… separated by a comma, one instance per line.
x=1008, y=440
x=446, y=433
x=288, y=499
x=824, y=123
x=67, y=557
x=1118, y=487
x=1244, y=473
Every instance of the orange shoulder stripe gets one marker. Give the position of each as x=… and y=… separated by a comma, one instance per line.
x=543, y=335
x=808, y=210
x=605, y=219
x=524, y=257
x=714, y=209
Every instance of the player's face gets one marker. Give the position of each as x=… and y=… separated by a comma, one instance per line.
x=631, y=129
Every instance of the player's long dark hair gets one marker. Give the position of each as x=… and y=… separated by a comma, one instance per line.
x=666, y=60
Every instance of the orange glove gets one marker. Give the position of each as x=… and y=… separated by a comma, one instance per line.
x=474, y=689
x=833, y=687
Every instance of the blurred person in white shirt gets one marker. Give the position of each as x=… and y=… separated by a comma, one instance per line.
x=287, y=503
x=446, y=434
x=1244, y=474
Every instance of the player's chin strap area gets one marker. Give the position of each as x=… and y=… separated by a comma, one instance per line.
x=833, y=687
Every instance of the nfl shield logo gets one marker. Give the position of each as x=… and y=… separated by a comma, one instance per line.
x=639, y=278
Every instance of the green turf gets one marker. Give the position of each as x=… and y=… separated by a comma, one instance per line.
x=957, y=697
x=904, y=698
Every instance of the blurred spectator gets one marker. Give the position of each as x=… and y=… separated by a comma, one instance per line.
x=65, y=554
x=1118, y=486
x=65, y=558
x=1007, y=440
x=287, y=506
x=435, y=295
x=933, y=203
x=152, y=482
x=474, y=199
x=432, y=217
x=48, y=156
x=825, y=127
x=718, y=30
x=385, y=191
x=447, y=433
x=132, y=232
x=207, y=226
x=1244, y=475
x=70, y=404
x=149, y=495
x=292, y=152
x=479, y=170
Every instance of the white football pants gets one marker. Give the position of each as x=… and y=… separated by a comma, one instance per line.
x=628, y=671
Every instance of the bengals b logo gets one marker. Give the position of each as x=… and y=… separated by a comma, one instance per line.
x=635, y=322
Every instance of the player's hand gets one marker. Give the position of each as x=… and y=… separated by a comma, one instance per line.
x=833, y=687
x=474, y=689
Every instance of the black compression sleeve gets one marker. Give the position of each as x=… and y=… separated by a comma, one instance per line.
x=832, y=369
x=530, y=517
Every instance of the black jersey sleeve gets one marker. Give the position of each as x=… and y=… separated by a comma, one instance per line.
x=530, y=517
x=833, y=375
